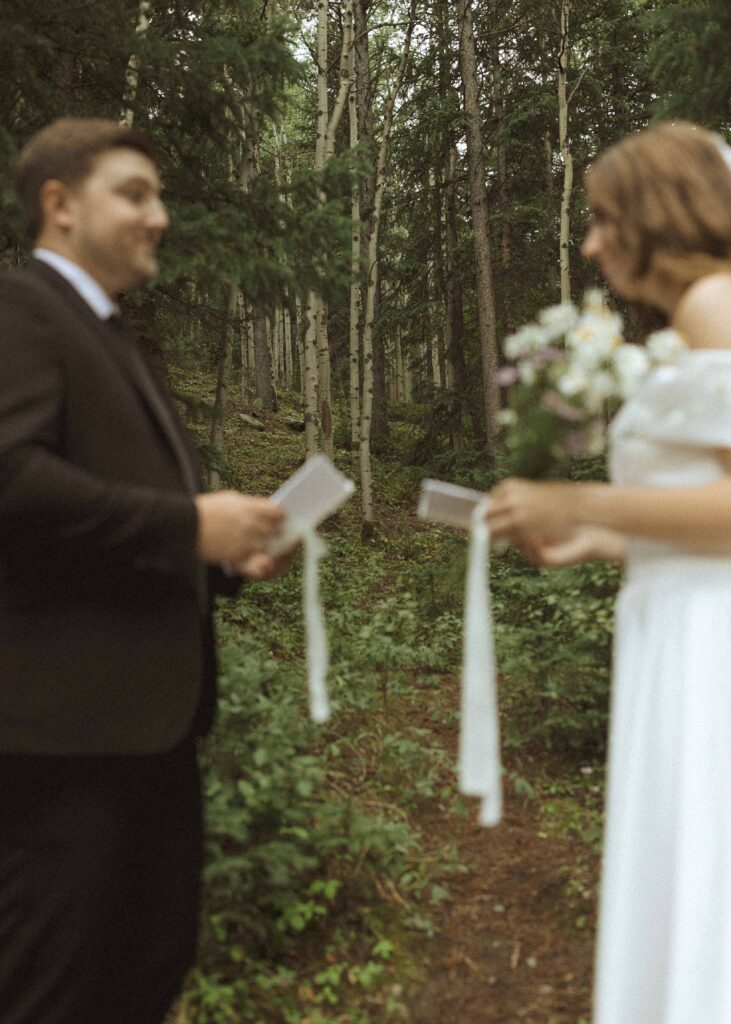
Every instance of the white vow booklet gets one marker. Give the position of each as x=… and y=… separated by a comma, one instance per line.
x=312, y=493
x=449, y=504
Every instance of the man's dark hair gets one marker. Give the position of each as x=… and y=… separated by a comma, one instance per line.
x=65, y=150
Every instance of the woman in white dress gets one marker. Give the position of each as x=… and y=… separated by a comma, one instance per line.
x=661, y=233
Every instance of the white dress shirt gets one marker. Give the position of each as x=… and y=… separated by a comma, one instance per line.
x=82, y=282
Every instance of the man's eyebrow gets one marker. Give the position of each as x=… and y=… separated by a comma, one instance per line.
x=138, y=179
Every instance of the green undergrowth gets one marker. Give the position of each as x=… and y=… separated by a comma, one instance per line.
x=319, y=885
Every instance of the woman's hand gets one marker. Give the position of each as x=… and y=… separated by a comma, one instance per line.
x=579, y=544
x=520, y=508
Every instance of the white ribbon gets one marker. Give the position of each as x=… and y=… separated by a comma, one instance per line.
x=318, y=658
x=479, y=741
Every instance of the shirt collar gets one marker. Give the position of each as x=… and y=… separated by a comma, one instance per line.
x=82, y=282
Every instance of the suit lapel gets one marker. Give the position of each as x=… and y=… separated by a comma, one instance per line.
x=123, y=348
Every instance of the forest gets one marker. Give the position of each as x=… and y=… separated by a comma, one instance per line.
x=366, y=198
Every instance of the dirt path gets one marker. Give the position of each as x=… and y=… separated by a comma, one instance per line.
x=508, y=949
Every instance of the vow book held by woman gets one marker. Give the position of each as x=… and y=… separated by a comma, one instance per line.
x=661, y=234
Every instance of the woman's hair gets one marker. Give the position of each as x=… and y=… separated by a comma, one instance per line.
x=668, y=191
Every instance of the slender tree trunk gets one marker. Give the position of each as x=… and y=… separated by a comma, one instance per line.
x=132, y=74
x=566, y=155
x=480, y=223
x=354, y=347
x=367, y=403
x=502, y=161
x=553, y=265
x=457, y=374
x=318, y=376
x=225, y=358
x=287, y=343
x=310, y=375
x=263, y=363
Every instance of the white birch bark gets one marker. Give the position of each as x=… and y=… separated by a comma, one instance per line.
x=366, y=478
x=132, y=74
x=354, y=354
x=327, y=125
x=287, y=343
x=566, y=155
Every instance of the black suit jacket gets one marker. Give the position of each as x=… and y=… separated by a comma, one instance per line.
x=106, y=644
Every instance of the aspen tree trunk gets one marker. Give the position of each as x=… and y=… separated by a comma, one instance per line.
x=287, y=344
x=367, y=401
x=398, y=356
x=294, y=336
x=132, y=74
x=354, y=348
x=273, y=342
x=244, y=341
x=455, y=307
x=566, y=155
x=225, y=358
x=480, y=223
x=436, y=286
x=263, y=363
x=548, y=153
x=300, y=340
x=250, y=383
x=317, y=388
x=502, y=159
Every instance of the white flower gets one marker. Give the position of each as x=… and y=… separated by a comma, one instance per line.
x=572, y=381
x=524, y=342
x=507, y=417
x=631, y=364
x=557, y=320
x=665, y=346
x=602, y=386
x=593, y=301
x=527, y=373
x=594, y=337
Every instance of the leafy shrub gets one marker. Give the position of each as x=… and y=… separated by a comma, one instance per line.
x=553, y=643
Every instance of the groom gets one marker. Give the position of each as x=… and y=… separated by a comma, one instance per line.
x=110, y=556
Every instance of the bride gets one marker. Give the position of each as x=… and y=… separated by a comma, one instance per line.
x=661, y=234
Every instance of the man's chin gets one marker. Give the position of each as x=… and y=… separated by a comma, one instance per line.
x=143, y=273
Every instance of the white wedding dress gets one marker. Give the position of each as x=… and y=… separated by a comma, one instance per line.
x=664, y=945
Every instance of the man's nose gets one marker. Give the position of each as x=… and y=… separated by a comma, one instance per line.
x=158, y=216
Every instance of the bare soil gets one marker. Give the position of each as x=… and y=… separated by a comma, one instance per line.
x=508, y=948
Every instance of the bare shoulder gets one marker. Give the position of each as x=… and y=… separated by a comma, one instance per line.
x=703, y=315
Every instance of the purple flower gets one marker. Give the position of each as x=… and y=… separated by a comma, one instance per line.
x=575, y=442
x=506, y=376
x=563, y=409
x=551, y=354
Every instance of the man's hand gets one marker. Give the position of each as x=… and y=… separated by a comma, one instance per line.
x=264, y=567
x=234, y=527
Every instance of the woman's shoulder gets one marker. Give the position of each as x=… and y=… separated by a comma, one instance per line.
x=703, y=315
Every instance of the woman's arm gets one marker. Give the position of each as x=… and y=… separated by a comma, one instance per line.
x=699, y=516
x=696, y=516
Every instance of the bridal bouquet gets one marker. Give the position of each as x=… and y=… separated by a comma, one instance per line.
x=568, y=373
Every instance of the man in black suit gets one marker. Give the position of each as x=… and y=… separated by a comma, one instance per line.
x=109, y=559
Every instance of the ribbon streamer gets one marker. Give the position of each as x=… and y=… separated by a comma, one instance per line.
x=318, y=658
x=479, y=741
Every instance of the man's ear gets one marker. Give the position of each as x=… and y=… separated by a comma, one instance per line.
x=54, y=199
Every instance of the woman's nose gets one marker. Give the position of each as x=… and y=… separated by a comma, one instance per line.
x=591, y=244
